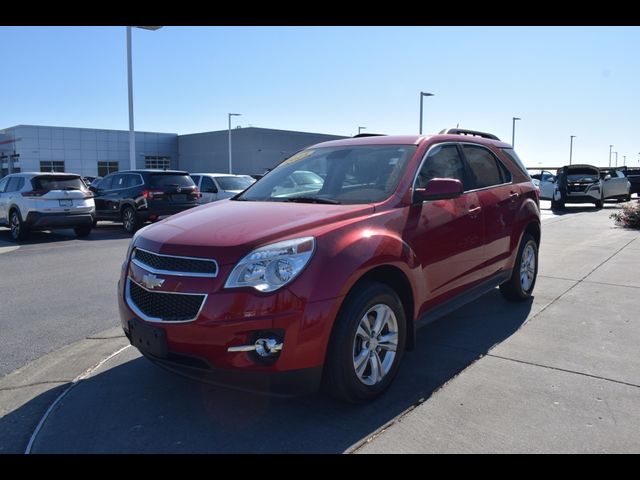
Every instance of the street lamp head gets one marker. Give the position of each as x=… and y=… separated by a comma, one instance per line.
x=235, y=114
x=149, y=28
x=425, y=94
x=517, y=118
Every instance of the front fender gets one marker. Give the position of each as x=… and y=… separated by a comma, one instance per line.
x=340, y=262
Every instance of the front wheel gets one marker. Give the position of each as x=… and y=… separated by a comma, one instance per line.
x=367, y=344
x=557, y=205
x=525, y=271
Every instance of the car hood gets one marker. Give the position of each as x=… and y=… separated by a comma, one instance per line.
x=229, y=229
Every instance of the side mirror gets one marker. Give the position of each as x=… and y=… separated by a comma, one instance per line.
x=93, y=189
x=607, y=176
x=438, y=189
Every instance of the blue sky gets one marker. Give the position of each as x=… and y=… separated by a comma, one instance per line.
x=561, y=81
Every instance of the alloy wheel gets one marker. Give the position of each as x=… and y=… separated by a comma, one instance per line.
x=527, y=267
x=375, y=344
x=15, y=225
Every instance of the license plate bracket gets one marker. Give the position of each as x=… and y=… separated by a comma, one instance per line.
x=148, y=339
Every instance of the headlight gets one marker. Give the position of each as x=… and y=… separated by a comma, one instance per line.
x=270, y=267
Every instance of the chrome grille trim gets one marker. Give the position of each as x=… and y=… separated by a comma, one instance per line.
x=131, y=304
x=177, y=273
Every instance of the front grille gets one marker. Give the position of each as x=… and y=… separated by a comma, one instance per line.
x=172, y=263
x=578, y=187
x=162, y=306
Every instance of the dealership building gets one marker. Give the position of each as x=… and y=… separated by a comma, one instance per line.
x=94, y=152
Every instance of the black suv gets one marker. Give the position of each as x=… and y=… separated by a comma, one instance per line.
x=137, y=196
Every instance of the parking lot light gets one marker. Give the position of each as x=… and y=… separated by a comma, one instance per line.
x=132, y=136
x=422, y=95
x=513, y=132
x=610, y=147
x=231, y=115
x=571, y=148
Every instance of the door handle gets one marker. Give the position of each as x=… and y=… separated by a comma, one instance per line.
x=474, y=210
x=514, y=195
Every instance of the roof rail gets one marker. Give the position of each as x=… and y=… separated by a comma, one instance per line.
x=461, y=131
x=360, y=135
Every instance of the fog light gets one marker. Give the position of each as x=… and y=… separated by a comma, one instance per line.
x=264, y=347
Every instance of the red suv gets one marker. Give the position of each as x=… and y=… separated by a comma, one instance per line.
x=288, y=287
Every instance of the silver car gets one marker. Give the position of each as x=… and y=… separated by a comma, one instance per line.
x=216, y=186
x=45, y=201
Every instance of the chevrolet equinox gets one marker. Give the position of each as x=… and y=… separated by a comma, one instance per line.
x=324, y=285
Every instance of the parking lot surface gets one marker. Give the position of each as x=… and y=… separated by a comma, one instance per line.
x=558, y=373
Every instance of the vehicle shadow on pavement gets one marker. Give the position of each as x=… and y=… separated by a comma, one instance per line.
x=577, y=208
x=100, y=232
x=138, y=407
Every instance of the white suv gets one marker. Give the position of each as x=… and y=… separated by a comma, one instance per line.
x=45, y=201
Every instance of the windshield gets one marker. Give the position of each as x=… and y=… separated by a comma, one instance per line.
x=57, y=182
x=171, y=180
x=582, y=175
x=234, y=183
x=350, y=175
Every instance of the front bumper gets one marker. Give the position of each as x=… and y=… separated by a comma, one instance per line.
x=198, y=349
x=39, y=220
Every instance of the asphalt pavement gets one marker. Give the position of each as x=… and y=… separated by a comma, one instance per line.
x=559, y=373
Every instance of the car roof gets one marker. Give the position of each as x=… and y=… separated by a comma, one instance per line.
x=37, y=174
x=410, y=140
x=221, y=174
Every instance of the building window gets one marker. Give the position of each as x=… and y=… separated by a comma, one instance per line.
x=157, y=162
x=106, y=167
x=52, y=166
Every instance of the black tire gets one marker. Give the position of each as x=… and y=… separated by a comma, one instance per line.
x=599, y=204
x=513, y=288
x=557, y=205
x=83, y=231
x=627, y=198
x=340, y=379
x=18, y=229
x=95, y=222
x=130, y=220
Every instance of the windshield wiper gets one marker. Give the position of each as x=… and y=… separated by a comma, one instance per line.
x=312, y=200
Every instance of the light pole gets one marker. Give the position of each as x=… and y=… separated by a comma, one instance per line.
x=231, y=115
x=422, y=95
x=571, y=148
x=624, y=160
x=513, y=132
x=132, y=135
x=360, y=129
x=616, y=158
x=610, y=147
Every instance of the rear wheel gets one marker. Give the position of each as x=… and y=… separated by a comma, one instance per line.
x=525, y=271
x=366, y=345
x=83, y=231
x=130, y=221
x=18, y=229
x=557, y=205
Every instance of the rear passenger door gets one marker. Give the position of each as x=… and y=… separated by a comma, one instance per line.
x=500, y=199
x=208, y=190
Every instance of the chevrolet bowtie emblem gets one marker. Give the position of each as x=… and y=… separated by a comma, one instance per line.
x=151, y=281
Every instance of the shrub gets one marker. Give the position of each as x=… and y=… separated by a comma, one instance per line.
x=629, y=216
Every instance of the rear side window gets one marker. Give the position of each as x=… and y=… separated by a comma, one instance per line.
x=484, y=166
x=511, y=153
x=3, y=184
x=132, y=181
x=171, y=180
x=57, y=182
x=443, y=161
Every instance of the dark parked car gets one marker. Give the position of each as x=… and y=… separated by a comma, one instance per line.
x=137, y=196
x=633, y=175
x=286, y=288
